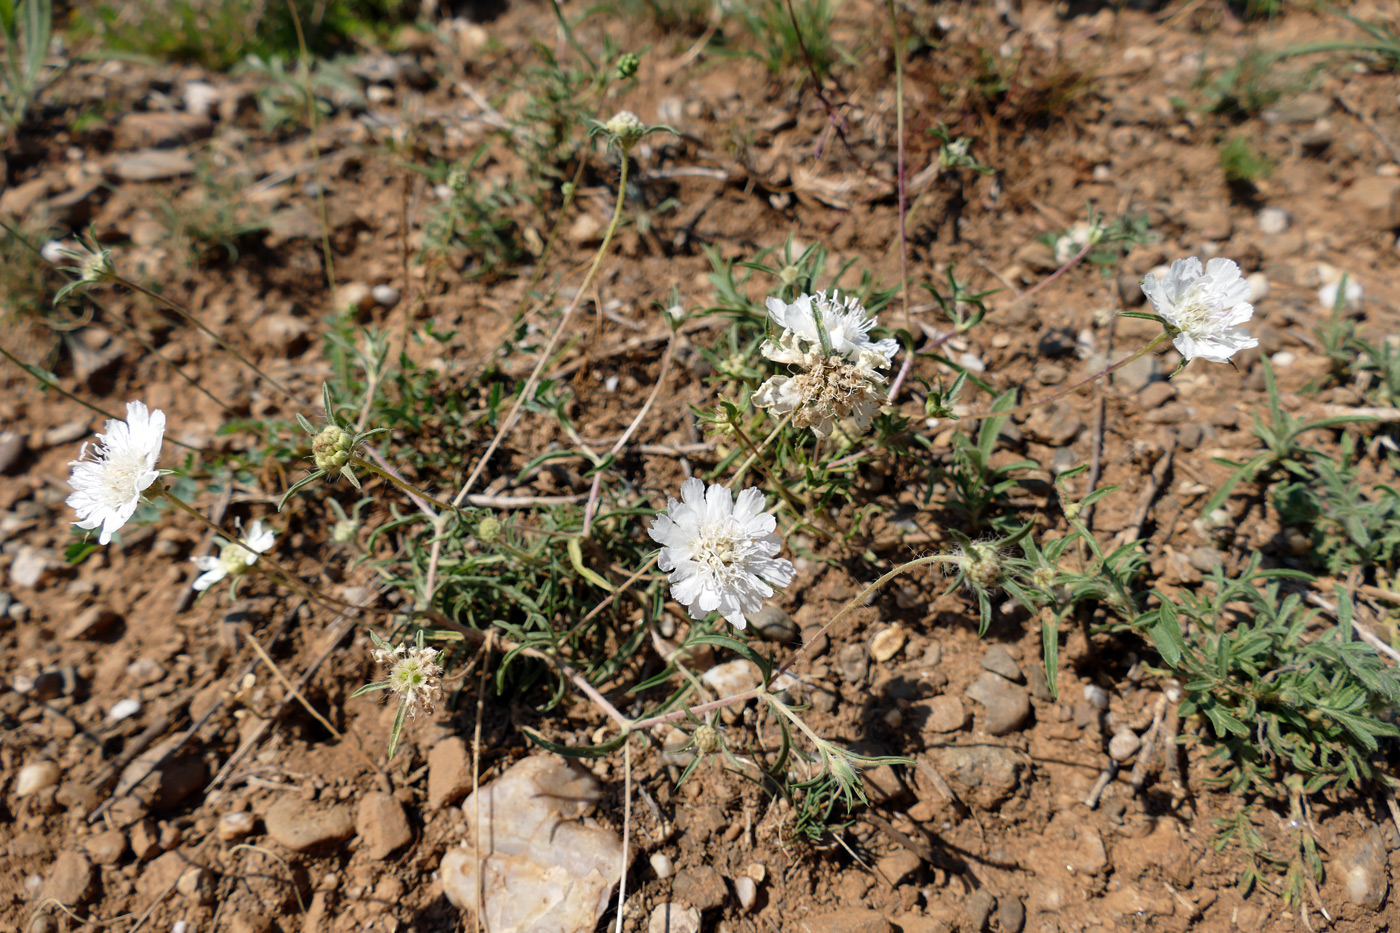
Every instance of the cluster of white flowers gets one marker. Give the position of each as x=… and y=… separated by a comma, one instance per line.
x=415, y=677
x=235, y=557
x=721, y=554
x=1203, y=308
x=827, y=339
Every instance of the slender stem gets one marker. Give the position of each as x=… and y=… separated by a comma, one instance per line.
x=899, y=167
x=678, y=714
x=548, y=352
x=798, y=506
x=1026, y=406
x=224, y=344
x=402, y=484
x=626, y=830
x=744, y=467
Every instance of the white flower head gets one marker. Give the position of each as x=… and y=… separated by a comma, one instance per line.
x=234, y=557
x=107, y=488
x=828, y=388
x=721, y=553
x=846, y=321
x=415, y=677
x=1203, y=308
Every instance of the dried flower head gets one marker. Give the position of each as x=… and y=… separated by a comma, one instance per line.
x=107, y=488
x=1203, y=308
x=707, y=740
x=721, y=554
x=234, y=557
x=826, y=390
x=414, y=675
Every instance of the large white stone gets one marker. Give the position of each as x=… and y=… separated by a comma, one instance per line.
x=546, y=868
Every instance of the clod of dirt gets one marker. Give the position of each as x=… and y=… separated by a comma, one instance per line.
x=152, y=165
x=985, y=772
x=999, y=661
x=1008, y=705
x=382, y=824
x=1374, y=202
x=1363, y=870
x=545, y=868
x=898, y=866
x=700, y=887
x=302, y=826
x=71, y=880
x=92, y=622
x=1124, y=744
x=1055, y=424
x=449, y=772
x=106, y=848
x=854, y=663
x=674, y=918
x=850, y=920
x=1011, y=914
x=13, y=446
x=35, y=777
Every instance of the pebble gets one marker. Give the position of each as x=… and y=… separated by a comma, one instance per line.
x=888, y=642
x=1038, y=682
x=546, y=868
x=145, y=840
x=1302, y=108
x=773, y=624
x=945, y=714
x=449, y=772
x=746, y=891
x=202, y=98
x=1137, y=374
x=1156, y=394
x=1096, y=695
x=124, y=709
x=13, y=446
x=352, y=295
x=1124, y=744
x=29, y=567
x=152, y=165
x=661, y=864
x=1363, y=870
x=106, y=848
x=1011, y=913
x=853, y=662
x=235, y=825
x=71, y=879
x=1373, y=203
x=898, y=866
x=196, y=885
x=92, y=622
x=999, y=661
x=1351, y=300
x=382, y=825
x=283, y=333
x=302, y=826
x=674, y=918
x=1272, y=220
x=1206, y=559
x=386, y=296
x=1258, y=286
x=35, y=777
x=1008, y=705
x=730, y=678
x=1051, y=374
x=977, y=910
x=700, y=887
x=145, y=671
x=1130, y=290
x=1055, y=424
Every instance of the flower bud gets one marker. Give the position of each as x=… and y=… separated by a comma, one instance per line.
x=331, y=448
x=627, y=127
x=488, y=529
x=983, y=566
x=707, y=740
x=627, y=64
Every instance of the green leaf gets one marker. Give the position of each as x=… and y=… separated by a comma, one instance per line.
x=1224, y=723
x=397, y=730
x=575, y=547
x=370, y=688
x=742, y=649
x=1050, y=649
x=578, y=751
x=1166, y=637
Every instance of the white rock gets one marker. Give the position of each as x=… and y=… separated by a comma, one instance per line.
x=730, y=678
x=673, y=918
x=662, y=865
x=385, y=296
x=1351, y=301
x=746, y=891
x=1258, y=286
x=1096, y=695
x=202, y=98
x=29, y=567
x=1272, y=220
x=972, y=362
x=235, y=825
x=1284, y=358
x=1123, y=745
x=545, y=867
x=887, y=642
x=35, y=777
x=124, y=709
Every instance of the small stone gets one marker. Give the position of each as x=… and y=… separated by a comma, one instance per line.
x=731, y=678
x=35, y=777
x=30, y=567
x=352, y=295
x=1124, y=744
x=1130, y=290
x=196, y=885
x=1011, y=913
x=302, y=826
x=65, y=433
x=1206, y=559
x=1096, y=695
x=155, y=129
x=987, y=772
x=746, y=891
x=145, y=840
x=888, y=642
x=1302, y=108
x=1258, y=286
x=382, y=824
x=674, y=918
x=1374, y=203
x=898, y=866
x=1272, y=220
x=945, y=713
x=152, y=165
x=92, y=622
x=999, y=661
x=71, y=880
x=13, y=446
x=107, y=847
x=662, y=865
x=1363, y=870
x=235, y=825
x=386, y=296
x=145, y=671
x=854, y=663
x=773, y=624
x=284, y=333
x=201, y=98
x=124, y=709
x=1156, y=394
x=586, y=230
x=1137, y=374
x=700, y=887
x=1008, y=705
x=449, y=772
x=1351, y=300
x=1055, y=424
x=977, y=910
x=1038, y=682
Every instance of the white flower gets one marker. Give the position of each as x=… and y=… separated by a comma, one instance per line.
x=234, y=559
x=827, y=389
x=414, y=675
x=846, y=322
x=721, y=554
x=1203, y=308
x=107, y=488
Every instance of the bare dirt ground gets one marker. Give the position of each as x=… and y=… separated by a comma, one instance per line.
x=1098, y=106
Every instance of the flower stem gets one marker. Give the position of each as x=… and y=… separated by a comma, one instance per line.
x=744, y=467
x=1026, y=406
x=798, y=506
x=402, y=484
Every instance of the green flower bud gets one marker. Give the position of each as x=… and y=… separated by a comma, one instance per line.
x=626, y=127
x=707, y=740
x=627, y=65
x=488, y=529
x=331, y=448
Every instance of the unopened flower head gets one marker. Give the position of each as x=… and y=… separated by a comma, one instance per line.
x=826, y=390
x=414, y=675
x=1203, y=308
x=982, y=563
x=627, y=127
x=627, y=64
x=845, y=320
x=721, y=554
x=331, y=448
x=707, y=740
x=488, y=529
x=107, y=488
x=235, y=557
